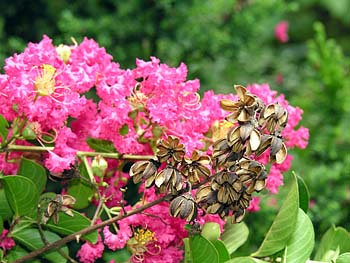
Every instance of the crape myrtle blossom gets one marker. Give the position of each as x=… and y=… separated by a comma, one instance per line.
x=281, y=31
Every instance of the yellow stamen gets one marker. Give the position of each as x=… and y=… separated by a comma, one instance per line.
x=45, y=82
x=143, y=237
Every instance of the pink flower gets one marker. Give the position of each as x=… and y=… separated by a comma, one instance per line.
x=6, y=243
x=281, y=31
x=274, y=179
x=254, y=204
x=88, y=252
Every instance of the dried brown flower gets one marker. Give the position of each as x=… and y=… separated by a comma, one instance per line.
x=196, y=167
x=274, y=117
x=242, y=110
x=59, y=203
x=170, y=149
x=184, y=207
x=144, y=170
x=169, y=179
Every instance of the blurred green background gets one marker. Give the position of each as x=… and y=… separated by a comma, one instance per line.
x=226, y=42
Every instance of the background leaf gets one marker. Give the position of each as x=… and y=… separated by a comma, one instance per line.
x=5, y=209
x=222, y=250
x=235, y=235
x=283, y=225
x=301, y=243
x=18, y=252
x=68, y=225
x=30, y=238
x=33, y=171
x=21, y=193
x=203, y=250
x=335, y=238
x=100, y=145
x=82, y=191
x=304, y=195
x=343, y=258
x=245, y=260
x=3, y=128
x=187, y=253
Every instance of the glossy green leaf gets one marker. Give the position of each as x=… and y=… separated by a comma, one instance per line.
x=301, y=243
x=304, y=196
x=235, y=235
x=222, y=250
x=100, y=145
x=21, y=193
x=202, y=250
x=68, y=225
x=343, y=258
x=3, y=128
x=33, y=171
x=335, y=238
x=18, y=252
x=31, y=239
x=283, y=225
x=81, y=190
x=5, y=209
x=245, y=260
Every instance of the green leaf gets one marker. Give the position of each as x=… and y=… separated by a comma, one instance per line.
x=31, y=239
x=5, y=209
x=335, y=238
x=211, y=231
x=283, y=225
x=222, y=250
x=33, y=171
x=68, y=225
x=81, y=190
x=188, y=255
x=100, y=145
x=16, y=253
x=343, y=258
x=203, y=250
x=21, y=193
x=235, y=235
x=1, y=224
x=245, y=260
x=3, y=128
x=304, y=196
x=124, y=130
x=301, y=243
x=119, y=256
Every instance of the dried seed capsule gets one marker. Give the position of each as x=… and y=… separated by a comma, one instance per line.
x=184, y=207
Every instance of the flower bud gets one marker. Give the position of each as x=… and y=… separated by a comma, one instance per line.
x=99, y=166
x=64, y=52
